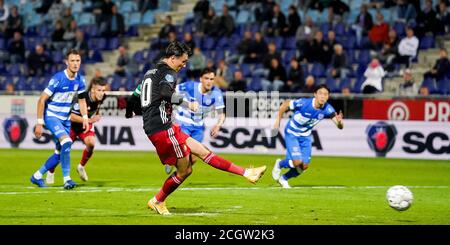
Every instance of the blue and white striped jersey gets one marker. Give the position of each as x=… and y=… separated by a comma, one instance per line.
x=306, y=116
x=207, y=102
x=62, y=91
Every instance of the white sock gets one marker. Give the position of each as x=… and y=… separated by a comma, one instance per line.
x=66, y=178
x=246, y=172
x=80, y=166
x=37, y=175
x=291, y=164
x=50, y=173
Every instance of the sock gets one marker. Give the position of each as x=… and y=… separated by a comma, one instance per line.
x=286, y=163
x=37, y=175
x=65, y=156
x=293, y=172
x=169, y=186
x=86, y=155
x=66, y=178
x=223, y=164
x=50, y=164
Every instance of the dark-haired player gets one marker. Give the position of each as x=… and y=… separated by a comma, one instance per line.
x=308, y=112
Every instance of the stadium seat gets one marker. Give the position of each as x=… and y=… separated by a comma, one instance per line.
x=426, y=42
x=127, y=7
x=431, y=85
x=148, y=18
x=134, y=19
x=255, y=84
x=443, y=86
x=317, y=70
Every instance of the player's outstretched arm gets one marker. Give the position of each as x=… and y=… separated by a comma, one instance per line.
x=338, y=120
x=283, y=108
x=215, y=130
x=40, y=114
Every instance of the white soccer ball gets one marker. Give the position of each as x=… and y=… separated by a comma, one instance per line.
x=399, y=197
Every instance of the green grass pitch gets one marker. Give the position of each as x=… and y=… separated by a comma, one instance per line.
x=334, y=190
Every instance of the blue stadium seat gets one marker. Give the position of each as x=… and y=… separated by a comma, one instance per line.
x=430, y=83
x=85, y=19
x=148, y=18
x=127, y=7
x=426, y=42
x=139, y=56
x=333, y=84
x=399, y=27
x=208, y=43
x=134, y=19
x=290, y=43
x=255, y=84
x=443, y=86
x=317, y=70
x=243, y=17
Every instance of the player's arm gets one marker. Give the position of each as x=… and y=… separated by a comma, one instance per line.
x=40, y=114
x=174, y=97
x=220, y=121
x=283, y=108
x=83, y=110
x=337, y=119
x=133, y=101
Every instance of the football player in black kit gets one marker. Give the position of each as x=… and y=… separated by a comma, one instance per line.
x=157, y=95
x=96, y=96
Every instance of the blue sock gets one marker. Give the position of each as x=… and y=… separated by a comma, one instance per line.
x=65, y=158
x=292, y=173
x=284, y=163
x=51, y=162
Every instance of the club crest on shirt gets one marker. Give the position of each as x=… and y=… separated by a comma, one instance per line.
x=169, y=78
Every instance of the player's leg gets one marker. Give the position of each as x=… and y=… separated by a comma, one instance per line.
x=198, y=149
x=53, y=160
x=198, y=135
x=301, y=164
x=54, y=125
x=171, y=148
x=66, y=146
x=89, y=142
x=292, y=153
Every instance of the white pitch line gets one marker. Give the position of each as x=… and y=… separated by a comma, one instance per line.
x=121, y=189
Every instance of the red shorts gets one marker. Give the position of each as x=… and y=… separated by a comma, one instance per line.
x=170, y=144
x=74, y=133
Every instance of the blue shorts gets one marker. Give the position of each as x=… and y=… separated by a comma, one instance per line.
x=298, y=147
x=196, y=132
x=58, y=127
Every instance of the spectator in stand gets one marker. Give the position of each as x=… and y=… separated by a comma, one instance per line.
x=408, y=87
x=9, y=89
x=424, y=91
x=242, y=48
x=45, y=6
x=114, y=25
x=276, y=78
x=293, y=22
x=316, y=51
x=58, y=42
x=67, y=18
x=210, y=23
x=223, y=72
x=264, y=11
x=80, y=44
x=389, y=50
x=407, y=48
x=443, y=18
x=441, y=68
x=201, y=12
x=256, y=50
x=167, y=27
x=295, y=78
x=363, y=24
x=276, y=22
x=406, y=12
x=187, y=39
x=310, y=84
x=272, y=53
x=197, y=62
x=14, y=23
x=339, y=63
x=38, y=62
x=16, y=49
x=69, y=34
x=238, y=83
x=330, y=43
x=379, y=33
x=305, y=34
x=225, y=23
x=426, y=20
x=374, y=77
x=122, y=62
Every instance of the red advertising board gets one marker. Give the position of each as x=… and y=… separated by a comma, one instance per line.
x=421, y=110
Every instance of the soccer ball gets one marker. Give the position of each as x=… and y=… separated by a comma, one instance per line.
x=399, y=197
